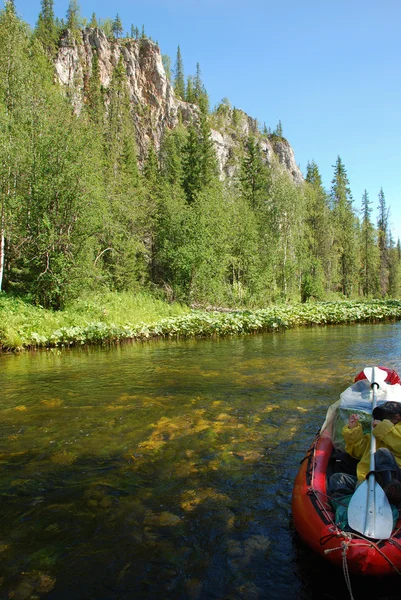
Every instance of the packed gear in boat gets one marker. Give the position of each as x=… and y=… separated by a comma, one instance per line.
x=324, y=520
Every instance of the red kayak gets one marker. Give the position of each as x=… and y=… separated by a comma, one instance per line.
x=313, y=514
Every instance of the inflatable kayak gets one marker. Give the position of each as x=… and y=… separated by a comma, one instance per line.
x=321, y=521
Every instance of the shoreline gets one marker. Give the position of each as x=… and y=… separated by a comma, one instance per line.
x=206, y=323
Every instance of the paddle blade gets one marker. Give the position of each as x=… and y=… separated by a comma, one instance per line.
x=369, y=511
x=375, y=375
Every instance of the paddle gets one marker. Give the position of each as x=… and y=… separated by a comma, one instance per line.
x=369, y=511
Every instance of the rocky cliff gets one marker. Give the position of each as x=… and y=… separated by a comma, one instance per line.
x=152, y=95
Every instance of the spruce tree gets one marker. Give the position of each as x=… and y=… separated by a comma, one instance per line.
x=152, y=193
x=254, y=175
x=93, y=22
x=394, y=268
x=117, y=27
x=179, y=80
x=189, y=93
x=73, y=17
x=167, y=65
x=46, y=30
x=125, y=231
x=200, y=94
x=317, y=274
x=199, y=156
x=94, y=97
x=344, y=230
x=383, y=239
x=279, y=129
x=369, y=255
x=171, y=152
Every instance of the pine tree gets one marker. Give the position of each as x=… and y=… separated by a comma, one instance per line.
x=369, y=256
x=179, y=80
x=46, y=30
x=93, y=22
x=10, y=6
x=189, y=93
x=254, y=176
x=318, y=268
x=199, y=156
x=167, y=65
x=279, y=129
x=171, y=152
x=73, y=16
x=383, y=239
x=127, y=261
x=200, y=94
x=117, y=27
x=152, y=194
x=94, y=96
x=344, y=230
x=394, y=268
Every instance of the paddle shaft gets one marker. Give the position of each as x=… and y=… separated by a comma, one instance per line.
x=369, y=511
x=371, y=504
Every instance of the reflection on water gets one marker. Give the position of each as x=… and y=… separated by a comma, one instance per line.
x=165, y=470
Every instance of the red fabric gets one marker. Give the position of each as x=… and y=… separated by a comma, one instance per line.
x=312, y=516
x=391, y=378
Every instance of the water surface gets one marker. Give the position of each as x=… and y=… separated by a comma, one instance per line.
x=165, y=470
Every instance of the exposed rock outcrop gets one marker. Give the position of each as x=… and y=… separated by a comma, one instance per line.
x=156, y=106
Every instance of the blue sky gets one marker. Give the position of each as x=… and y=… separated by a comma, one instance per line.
x=330, y=71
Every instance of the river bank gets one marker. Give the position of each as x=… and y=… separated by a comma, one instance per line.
x=112, y=318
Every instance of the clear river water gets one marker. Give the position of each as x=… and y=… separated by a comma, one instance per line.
x=164, y=470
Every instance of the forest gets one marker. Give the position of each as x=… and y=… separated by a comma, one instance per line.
x=80, y=212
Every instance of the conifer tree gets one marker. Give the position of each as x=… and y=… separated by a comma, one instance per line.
x=124, y=233
x=369, y=256
x=93, y=22
x=151, y=199
x=171, y=234
x=383, y=242
x=394, y=268
x=254, y=176
x=171, y=152
x=344, y=230
x=189, y=93
x=167, y=65
x=279, y=129
x=46, y=30
x=73, y=16
x=199, y=156
x=317, y=274
x=235, y=117
x=94, y=96
x=179, y=80
x=200, y=94
x=117, y=27
x=10, y=6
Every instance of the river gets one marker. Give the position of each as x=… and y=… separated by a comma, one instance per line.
x=164, y=470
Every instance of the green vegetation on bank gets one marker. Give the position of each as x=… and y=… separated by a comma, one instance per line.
x=82, y=210
x=112, y=318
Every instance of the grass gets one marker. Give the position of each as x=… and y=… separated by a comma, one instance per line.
x=24, y=325
x=111, y=317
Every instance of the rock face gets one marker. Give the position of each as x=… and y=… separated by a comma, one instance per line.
x=153, y=97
